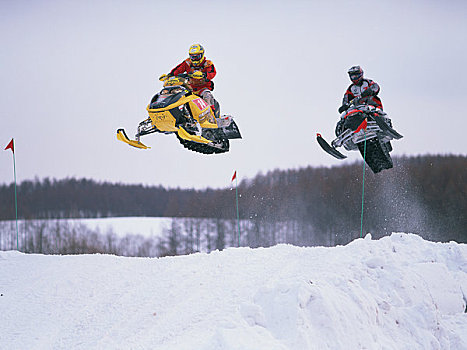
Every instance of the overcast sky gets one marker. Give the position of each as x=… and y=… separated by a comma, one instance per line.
x=72, y=72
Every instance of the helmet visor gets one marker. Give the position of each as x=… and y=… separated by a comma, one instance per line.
x=355, y=76
x=196, y=57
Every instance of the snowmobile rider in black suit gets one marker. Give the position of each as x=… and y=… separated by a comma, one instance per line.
x=360, y=88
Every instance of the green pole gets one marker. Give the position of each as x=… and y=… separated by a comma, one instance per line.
x=16, y=201
x=238, y=216
x=363, y=184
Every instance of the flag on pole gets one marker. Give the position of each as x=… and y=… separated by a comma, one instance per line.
x=10, y=146
x=234, y=176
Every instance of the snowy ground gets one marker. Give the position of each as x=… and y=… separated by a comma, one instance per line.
x=399, y=292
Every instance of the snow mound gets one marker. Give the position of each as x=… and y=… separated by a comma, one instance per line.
x=399, y=292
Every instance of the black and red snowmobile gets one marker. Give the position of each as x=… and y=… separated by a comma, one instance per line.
x=367, y=128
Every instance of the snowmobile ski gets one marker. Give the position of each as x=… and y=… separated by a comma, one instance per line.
x=121, y=135
x=328, y=148
x=386, y=128
x=194, y=138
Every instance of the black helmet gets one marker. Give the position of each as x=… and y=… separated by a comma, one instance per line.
x=356, y=74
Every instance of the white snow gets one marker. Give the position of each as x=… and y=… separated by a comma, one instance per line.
x=399, y=292
x=148, y=227
x=145, y=226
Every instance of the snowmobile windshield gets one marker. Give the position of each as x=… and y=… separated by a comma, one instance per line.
x=167, y=96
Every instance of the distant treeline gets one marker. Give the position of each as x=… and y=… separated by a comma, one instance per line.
x=425, y=195
x=184, y=236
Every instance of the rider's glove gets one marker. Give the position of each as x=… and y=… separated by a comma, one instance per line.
x=343, y=108
x=339, y=127
x=367, y=92
x=164, y=77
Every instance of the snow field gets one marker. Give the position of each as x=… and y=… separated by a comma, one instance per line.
x=399, y=292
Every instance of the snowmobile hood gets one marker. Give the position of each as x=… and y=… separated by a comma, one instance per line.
x=157, y=102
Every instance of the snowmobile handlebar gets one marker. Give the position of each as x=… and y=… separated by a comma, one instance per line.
x=359, y=101
x=186, y=76
x=164, y=77
x=354, y=102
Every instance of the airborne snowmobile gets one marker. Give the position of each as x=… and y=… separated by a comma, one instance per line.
x=366, y=128
x=177, y=110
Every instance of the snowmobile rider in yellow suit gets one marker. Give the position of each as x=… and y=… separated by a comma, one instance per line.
x=201, y=72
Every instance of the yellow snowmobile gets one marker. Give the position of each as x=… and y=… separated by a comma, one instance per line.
x=177, y=110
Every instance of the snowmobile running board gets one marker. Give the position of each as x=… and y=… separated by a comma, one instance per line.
x=329, y=149
x=121, y=135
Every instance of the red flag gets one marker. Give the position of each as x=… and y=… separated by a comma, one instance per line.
x=10, y=146
x=234, y=175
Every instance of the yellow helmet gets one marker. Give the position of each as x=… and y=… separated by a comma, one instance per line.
x=196, y=53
